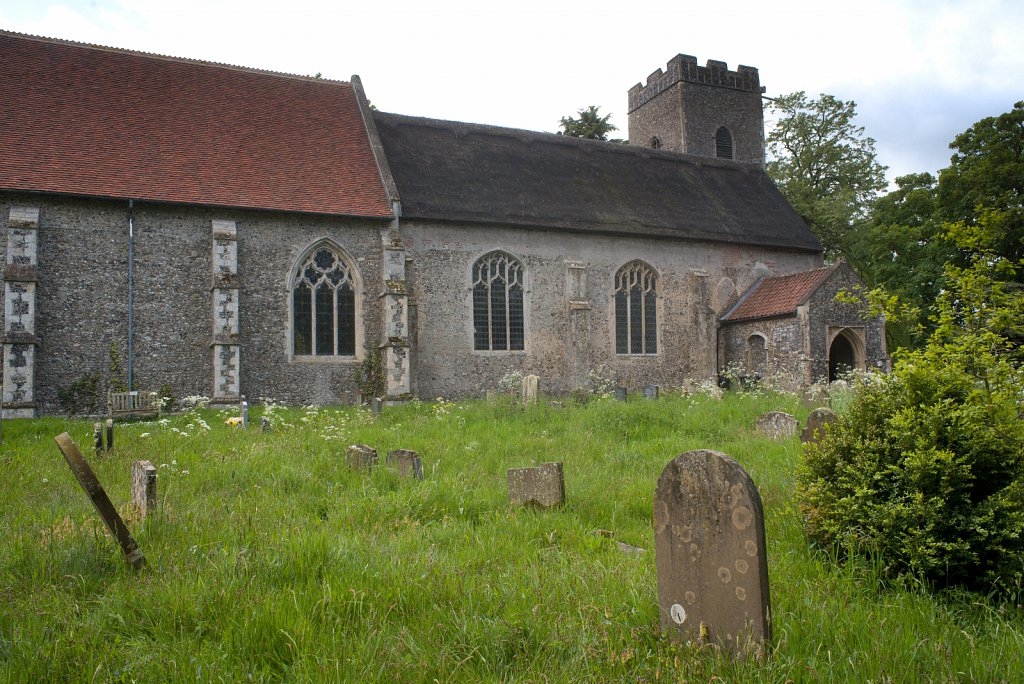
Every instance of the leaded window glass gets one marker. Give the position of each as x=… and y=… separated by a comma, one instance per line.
x=636, y=309
x=498, y=318
x=324, y=306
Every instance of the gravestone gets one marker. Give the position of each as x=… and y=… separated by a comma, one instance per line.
x=709, y=547
x=245, y=415
x=143, y=487
x=543, y=486
x=817, y=424
x=620, y=393
x=777, y=424
x=407, y=462
x=110, y=434
x=97, y=436
x=264, y=424
x=531, y=386
x=87, y=479
x=651, y=391
x=376, y=404
x=361, y=456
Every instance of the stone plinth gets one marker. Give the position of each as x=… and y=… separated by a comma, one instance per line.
x=543, y=486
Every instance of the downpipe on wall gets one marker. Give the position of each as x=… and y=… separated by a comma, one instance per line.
x=131, y=284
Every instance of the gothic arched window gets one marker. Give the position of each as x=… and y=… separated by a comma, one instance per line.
x=498, y=318
x=723, y=143
x=636, y=309
x=323, y=291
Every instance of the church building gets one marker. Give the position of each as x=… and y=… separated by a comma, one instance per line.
x=230, y=232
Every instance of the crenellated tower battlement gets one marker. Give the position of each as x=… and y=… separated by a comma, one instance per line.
x=685, y=68
x=704, y=110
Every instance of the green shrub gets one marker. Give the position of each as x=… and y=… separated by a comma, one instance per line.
x=919, y=476
x=925, y=469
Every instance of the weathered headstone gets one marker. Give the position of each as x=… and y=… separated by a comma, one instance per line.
x=817, y=424
x=83, y=473
x=407, y=462
x=543, y=486
x=245, y=415
x=376, y=405
x=620, y=393
x=264, y=424
x=97, y=436
x=531, y=386
x=709, y=547
x=110, y=434
x=361, y=456
x=651, y=391
x=777, y=424
x=143, y=487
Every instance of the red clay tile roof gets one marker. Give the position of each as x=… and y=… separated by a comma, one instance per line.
x=86, y=120
x=778, y=296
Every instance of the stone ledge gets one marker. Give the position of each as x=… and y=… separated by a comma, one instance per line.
x=20, y=273
x=16, y=405
x=224, y=281
x=20, y=338
x=225, y=340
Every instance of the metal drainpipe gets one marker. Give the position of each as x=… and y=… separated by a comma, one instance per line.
x=131, y=284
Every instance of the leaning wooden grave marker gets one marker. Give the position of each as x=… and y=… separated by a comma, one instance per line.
x=709, y=548
x=83, y=473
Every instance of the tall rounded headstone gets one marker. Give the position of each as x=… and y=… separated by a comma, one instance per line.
x=710, y=553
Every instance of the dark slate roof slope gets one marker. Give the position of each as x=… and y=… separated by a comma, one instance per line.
x=85, y=120
x=778, y=296
x=453, y=171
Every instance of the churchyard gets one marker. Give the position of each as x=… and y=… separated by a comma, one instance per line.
x=276, y=553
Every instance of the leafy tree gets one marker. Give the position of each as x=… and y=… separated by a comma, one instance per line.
x=987, y=170
x=926, y=470
x=825, y=166
x=590, y=124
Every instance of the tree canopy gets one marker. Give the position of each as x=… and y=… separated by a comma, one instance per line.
x=590, y=124
x=825, y=165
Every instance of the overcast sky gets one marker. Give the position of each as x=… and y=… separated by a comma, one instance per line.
x=920, y=71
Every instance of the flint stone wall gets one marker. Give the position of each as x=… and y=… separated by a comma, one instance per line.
x=82, y=296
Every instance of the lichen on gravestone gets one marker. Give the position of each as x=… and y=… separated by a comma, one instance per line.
x=406, y=462
x=543, y=486
x=710, y=553
x=777, y=424
x=361, y=456
x=817, y=424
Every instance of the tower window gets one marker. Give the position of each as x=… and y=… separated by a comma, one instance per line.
x=655, y=143
x=723, y=143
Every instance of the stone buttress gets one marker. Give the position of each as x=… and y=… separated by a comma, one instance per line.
x=395, y=346
x=226, y=349
x=20, y=339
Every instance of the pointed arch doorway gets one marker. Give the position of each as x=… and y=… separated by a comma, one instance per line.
x=845, y=351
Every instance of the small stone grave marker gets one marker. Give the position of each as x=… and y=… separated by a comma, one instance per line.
x=531, y=386
x=264, y=424
x=621, y=394
x=777, y=424
x=143, y=487
x=245, y=415
x=817, y=424
x=376, y=404
x=361, y=456
x=110, y=434
x=651, y=391
x=543, y=486
x=97, y=436
x=83, y=473
x=407, y=462
x=709, y=547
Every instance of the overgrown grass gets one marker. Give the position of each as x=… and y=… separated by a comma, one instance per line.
x=270, y=560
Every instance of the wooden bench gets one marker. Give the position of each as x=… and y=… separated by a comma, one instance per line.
x=133, y=404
